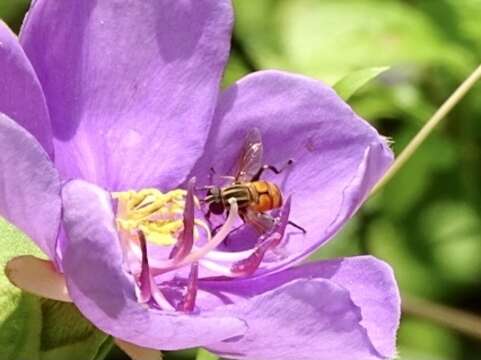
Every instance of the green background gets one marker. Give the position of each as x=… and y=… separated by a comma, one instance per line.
x=427, y=221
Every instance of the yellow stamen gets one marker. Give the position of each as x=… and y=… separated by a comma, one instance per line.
x=158, y=215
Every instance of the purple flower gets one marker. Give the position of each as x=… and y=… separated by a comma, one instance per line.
x=109, y=109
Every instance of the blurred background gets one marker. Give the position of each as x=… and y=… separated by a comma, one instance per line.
x=427, y=221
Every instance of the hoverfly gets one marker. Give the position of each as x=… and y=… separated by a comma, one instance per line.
x=254, y=196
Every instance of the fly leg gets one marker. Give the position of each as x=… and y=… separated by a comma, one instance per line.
x=263, y=222
x=226, y=240
x=297, y=226
x=214, y=230
x=271, y=168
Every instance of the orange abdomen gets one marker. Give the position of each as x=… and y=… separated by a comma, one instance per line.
x=267, y=196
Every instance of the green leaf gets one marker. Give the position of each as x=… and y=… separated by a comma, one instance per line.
x=39, y=329
x=203, y=354
x=104, y=349
x=66, y=334
x=327, y=39
x=12, y=12
x=20, y=315
x=352, y=82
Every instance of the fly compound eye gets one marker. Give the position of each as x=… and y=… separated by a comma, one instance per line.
x=216, y=208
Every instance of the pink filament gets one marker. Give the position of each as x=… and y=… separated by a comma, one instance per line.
x=198, y=254
x=267, y=241
x=188, y=302
x=184, y=246
x=148, y=287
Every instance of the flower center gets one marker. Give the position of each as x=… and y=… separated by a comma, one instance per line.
x=161, y=235
x=157, y=215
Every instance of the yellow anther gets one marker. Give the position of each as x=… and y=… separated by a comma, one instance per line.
x=158, y=215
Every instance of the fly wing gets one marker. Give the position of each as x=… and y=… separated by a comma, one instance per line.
x=250, y=160
x=260, y=221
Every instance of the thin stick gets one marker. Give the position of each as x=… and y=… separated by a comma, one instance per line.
x=459, y=320
x=411, y=148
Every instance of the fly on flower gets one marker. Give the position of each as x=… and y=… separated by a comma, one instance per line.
x=96, y=168
x=254, y=197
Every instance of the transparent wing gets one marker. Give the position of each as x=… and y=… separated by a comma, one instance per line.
x=260, y=221
x=250, y=160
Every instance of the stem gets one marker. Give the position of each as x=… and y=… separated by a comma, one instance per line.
x=458, y=320
x=461, y=321
x=427, y=129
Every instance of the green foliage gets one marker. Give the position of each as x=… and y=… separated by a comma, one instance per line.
x=427, y=220
x=39, y=329
x=203, y=354
x=69, y=335
x=236, y=69
x=11, y=11
x=423, y=341
x=350, y=83
x=21, y=316
x=327, y=39
x=454, y=232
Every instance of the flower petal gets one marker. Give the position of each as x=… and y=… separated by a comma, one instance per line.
x=104, y=292
x=37, y=276
x=21, y=96
x=370, y=283
x=302, y=320
x=29, y=186
x=337, y=156
x=131, y=85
